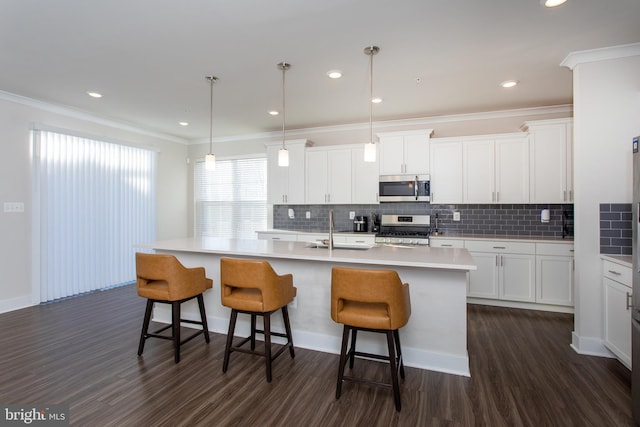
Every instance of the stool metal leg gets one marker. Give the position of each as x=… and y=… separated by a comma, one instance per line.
x=227, y=348
x=396, y=335
x=203, y=317
x=253, y=332
x=352, y=350
x=145, y=326
x=267, y=343
x=175, y=322
x=394, y=369
x=287, y=328
x=343, y=360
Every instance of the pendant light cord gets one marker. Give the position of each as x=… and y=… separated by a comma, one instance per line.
x=371, y=97
x=284, y=69
x=212, y=79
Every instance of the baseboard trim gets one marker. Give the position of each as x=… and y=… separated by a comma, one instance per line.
x=589, y=346
x=15, y=303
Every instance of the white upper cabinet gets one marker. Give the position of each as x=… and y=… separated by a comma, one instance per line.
x=285, y=185
x=328, y=175
x=551, y=160
x=496, y=170
x=446, y=172
x=364, y=178
x=405, y=152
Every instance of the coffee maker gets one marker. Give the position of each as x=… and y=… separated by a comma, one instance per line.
x=375, y=223
x=360, y=224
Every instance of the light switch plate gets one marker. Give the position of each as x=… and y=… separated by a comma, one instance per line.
x=352, y=215
x=308, y=215
x=456, y=216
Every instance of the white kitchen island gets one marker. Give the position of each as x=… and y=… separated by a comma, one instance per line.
x=435, y=337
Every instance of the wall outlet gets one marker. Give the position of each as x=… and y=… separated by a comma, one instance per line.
x=13, y=207
x=352, y=215
x=308, y=215
x=292, y=214
x=456, y=216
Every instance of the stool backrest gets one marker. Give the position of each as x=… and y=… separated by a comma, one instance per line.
x=277, y=290
x=181, y=282
x=371, y=286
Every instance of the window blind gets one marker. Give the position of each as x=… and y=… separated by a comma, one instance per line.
x=232, y=200
x=96, y=200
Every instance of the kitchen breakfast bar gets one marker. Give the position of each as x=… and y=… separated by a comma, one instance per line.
x=435, y=337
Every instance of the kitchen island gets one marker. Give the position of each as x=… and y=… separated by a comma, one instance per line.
x=435, y=337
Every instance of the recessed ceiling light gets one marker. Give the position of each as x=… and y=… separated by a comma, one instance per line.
x=552, y=3
x=94, y=94
x=376, y=100
x=334, y=74
x=509, y=83
x=274, y=112
x=183, y=123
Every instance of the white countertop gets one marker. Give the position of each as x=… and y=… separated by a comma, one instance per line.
x=413, y=256
x=625, y=260
x=343, y=232
x=532, y=239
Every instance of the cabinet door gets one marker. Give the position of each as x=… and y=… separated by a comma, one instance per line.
x=554, y=280
x=617, y=320
x=416, y=154
x=512, y=170
x=316, y=177
x=364, y=178
x=338, y=176
x=295, y=174
x=517, y=277
x=483, y=282
x=478, y=172
x=277, y=178
x=391, y=155
x=446, y=172
x=548, y=151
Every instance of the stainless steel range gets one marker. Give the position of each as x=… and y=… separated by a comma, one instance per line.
x=404, y=229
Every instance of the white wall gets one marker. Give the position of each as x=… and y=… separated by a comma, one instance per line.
x=16, y=118
x=606, y=118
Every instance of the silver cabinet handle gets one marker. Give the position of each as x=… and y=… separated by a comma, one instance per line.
x=275, y=238
x=615, y=272
x=499, y=247
x=564, y=195
x=629, y=303
x=497, y=196
x=445, y=245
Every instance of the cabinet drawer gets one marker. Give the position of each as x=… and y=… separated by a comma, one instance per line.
x=500, y=246
x=617, y=272
x=562, y=249
x=446, y=243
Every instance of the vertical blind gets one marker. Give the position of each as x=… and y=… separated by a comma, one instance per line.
x=232, y=200
x=96, y=200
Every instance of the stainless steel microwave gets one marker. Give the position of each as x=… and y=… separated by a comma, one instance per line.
x=404, y=188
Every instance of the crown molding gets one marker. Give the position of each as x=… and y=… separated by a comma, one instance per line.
x=428, y=122
x=602, y=54
x=82, y=115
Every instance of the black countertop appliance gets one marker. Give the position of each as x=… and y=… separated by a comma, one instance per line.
x=361, y=224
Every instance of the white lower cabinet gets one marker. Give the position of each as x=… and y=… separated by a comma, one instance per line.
x=286, y=237
x=506, y=270
x=616, y=280
x=554, y=273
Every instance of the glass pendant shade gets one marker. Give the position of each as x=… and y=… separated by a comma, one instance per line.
x=283, y=157
x=210, y=162
x=370, y=152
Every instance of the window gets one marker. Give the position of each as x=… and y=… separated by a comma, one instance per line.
x=95, y=201
x=232, y=200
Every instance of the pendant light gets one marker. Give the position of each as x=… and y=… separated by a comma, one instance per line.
x=210, y=159
x=370, y=147
x=283, y=153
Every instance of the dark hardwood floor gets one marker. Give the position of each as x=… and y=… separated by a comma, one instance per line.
x=82, y=352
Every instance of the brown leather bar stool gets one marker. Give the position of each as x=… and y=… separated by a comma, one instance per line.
x=252, y=287
x=374, y=301
x=163, y=279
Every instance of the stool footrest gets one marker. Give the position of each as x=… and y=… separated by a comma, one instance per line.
x=366, y=381
x=283, y=347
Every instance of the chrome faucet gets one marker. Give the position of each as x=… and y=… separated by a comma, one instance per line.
x=330, y=229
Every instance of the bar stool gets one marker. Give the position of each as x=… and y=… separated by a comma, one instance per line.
x=374, y=301
x=163, y=279
x=253, y=287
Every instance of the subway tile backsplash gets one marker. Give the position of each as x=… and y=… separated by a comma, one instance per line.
x=615, y=228
x=499, y=220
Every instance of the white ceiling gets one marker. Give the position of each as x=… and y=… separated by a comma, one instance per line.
x=150, y=57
